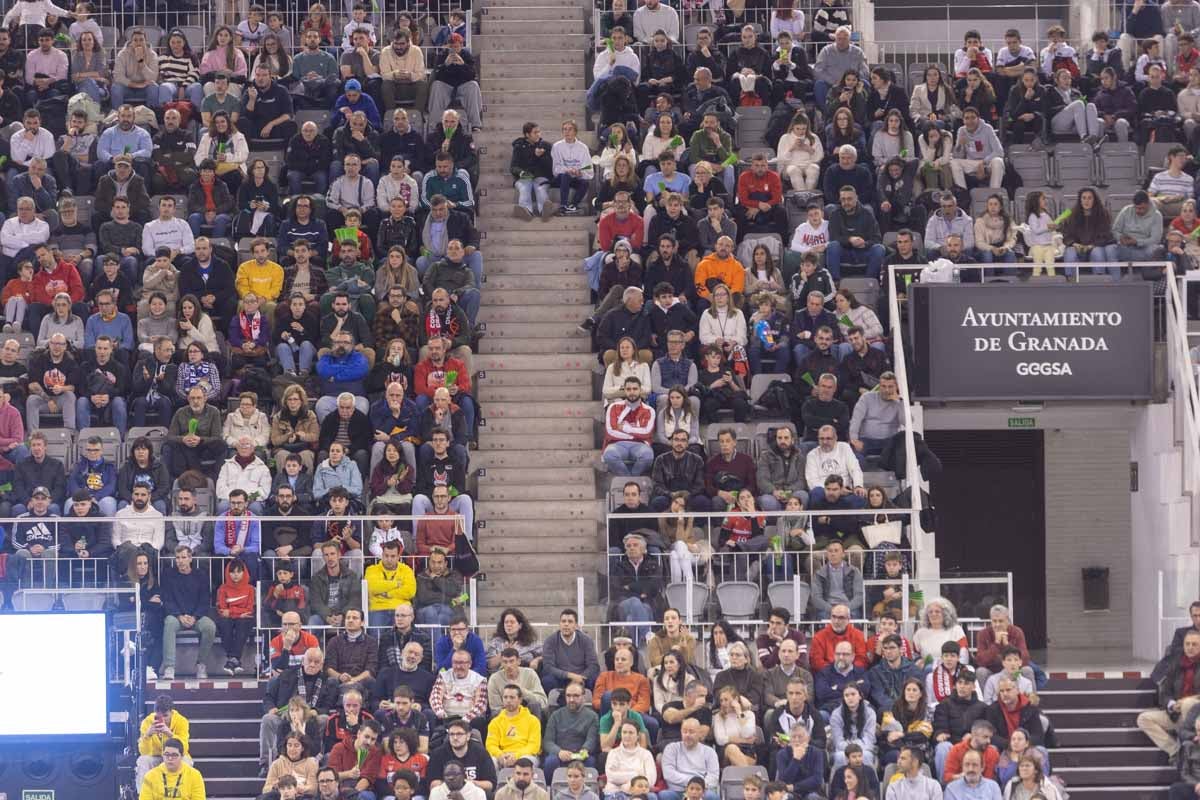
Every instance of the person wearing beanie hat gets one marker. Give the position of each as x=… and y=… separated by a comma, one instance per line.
x=355, y=97
x=456, y=76
x=360, y=63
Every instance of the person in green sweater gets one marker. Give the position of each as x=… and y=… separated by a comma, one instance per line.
x=194, y=437
x=713, y=144
x=352, y=276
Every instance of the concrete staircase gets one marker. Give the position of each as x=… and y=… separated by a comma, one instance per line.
x=537, y=503
x=1101, y=753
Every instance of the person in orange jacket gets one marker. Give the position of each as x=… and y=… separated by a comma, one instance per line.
x=235, y=614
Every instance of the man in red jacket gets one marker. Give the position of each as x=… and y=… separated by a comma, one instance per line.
x=438, y=369
x=358, y=765
x=628, y=425
x=760, y=200
x=839, y=629
x=990, y=641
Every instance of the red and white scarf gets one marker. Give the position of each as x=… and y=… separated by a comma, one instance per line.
x=251, y=326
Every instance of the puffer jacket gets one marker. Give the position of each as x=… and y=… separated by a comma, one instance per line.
x=777, y=471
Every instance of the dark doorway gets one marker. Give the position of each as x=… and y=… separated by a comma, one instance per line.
x=991, y=514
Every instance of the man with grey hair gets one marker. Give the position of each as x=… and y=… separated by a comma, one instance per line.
x=949, y=220
x=835, y=60
x=831, y=457
x=19, y=235
x=342, y=371
x=991, y=640
x=625, y=320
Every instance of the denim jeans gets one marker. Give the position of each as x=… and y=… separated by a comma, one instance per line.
x=436, y=614
x=1098, y=255
x=117, y=409
x=782, y=355
x=287, y=356
x=872, y=256
x=220, y=224
x=533, y=194
x=459, y=505
x=319, y=178
x=619, y=455
x=171, y=627
x=147, y=95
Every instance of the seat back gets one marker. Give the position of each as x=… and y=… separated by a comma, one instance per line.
x=60, y=444
x=782, y=594
x=741, y=431
x=732, y=778
x=760, y=382
x=110, y=439
x=32, y=601
x=762, y=431
x=738, y=599
x=616, y=491
x=1119, y=163
x=83, y=601
x=677, y=598
x=866, y=290
x=1030, y=164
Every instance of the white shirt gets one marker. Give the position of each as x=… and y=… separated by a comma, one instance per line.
x=173, y=233
x=21, y=148
x=646, y=22
x=139, y=527
x=807, y=237
x=839, y=461
x=621, y=58
x=15, y=235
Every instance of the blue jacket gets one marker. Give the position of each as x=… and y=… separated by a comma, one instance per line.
x=252, y=543
x=114, y=141
x=345, y=374
x=802, y=776
x=886, y=683
x=406, y=423
x=100, y=478
x=344, y=474
x=365, y=104
x=443, y=649
x=119, y=329
x=829, y=683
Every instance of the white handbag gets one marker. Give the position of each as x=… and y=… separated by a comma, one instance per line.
x=882, y=532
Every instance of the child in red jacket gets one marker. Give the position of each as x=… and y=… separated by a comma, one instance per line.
x=16, y=297
x=285, y=594
x=235, y=614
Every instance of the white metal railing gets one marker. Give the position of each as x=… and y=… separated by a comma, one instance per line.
x=1186, y=397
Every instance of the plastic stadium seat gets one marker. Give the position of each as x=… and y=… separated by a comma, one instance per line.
x=916, y=76
x=761, y=382
x=83, y=601
x=1119, y=164
x=865, y=289
x=677, y=598
x=896, y=70
x=1020, y=195
x=111, y=438
x=60, y=444
x=979, y=198
x=760, y=434
x=1030, y=164
x=312, y=115
x=113, y=35
x=1118, y=200
x=1155, y=157
x=84, y=204
x=738, y=599
x=781, y=594
x=1074, y=163
x=32, y=601
x=751, y=128
x=194, y=34
x=741, y=431
x=157, y=434
x=732, y=777
x=616, y=491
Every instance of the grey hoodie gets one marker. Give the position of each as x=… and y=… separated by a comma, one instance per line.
x=938, y=228
x=832, y=63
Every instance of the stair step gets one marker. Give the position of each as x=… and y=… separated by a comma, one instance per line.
x=239, y=766
x=556, y=509
x=560, y=457
x=1097, y=698
x=535, y=363
x=1100, y=737
x=506, y=441
x=511, y=536
x=1087, y=718
x=551, y=428
x=1116, y=775
x=536, y=493
x=220, y=748
x=521, y=595
x=493, y=392
x=573, y=44
x=508, y=4
x=1146, y=756
x=557, y=331
x=517, y=376
x=531, y=235
x=510, y=476
x=218, y=709
x=497, y=411
x=515, y=81
x=1113, y=684
x=231, y=728
x=514, y=346
x=563, y=312
x=534, y=297
x=531, y=268
x=509, y=22
x=572, y=563
x=568, y=97
x=572, y=281
x=233, y=787
x=1119, y=793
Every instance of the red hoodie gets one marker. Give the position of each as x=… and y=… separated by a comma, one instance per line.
x=236, y=598
x=63, y=278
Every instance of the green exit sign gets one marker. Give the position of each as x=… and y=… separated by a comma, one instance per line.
x=37, y=794
x=1022, y=422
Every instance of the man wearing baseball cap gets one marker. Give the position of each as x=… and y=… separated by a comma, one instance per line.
x=35, y=535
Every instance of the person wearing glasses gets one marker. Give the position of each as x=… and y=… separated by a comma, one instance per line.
x=173, y=779
x=327, y=784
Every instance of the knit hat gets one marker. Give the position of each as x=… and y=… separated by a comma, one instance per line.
x=353, y=85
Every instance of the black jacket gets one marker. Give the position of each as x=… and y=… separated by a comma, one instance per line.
x=344, y=144
x=97, y=535
x=220, y=280
x=29, y=474
x=1017, y=105
x=408, y=145
x=1030, y=719
x=646, y=581
x=659, y=64
x=955, y=716
x=361, y=432
x=157, y=474
x=144, y=374
x=285, y=686
x=622, y=322
x=524, y=159
x=306, y=157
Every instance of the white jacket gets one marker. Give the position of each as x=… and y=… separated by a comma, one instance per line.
x=614, y=384
x=254, y=478
x=624, y=765
x=139, y=527
x=801, y=157
x=839, y=461
x=619, y=58
x=732, y=328
x=258, y=428
x=571, y=155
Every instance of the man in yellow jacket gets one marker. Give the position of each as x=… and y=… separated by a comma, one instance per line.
x=262, y=276
x=514, y=733
x=389, y=584
x=173, y=779
x=160, y=726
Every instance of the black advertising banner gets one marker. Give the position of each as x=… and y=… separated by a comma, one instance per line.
x=1003, y=341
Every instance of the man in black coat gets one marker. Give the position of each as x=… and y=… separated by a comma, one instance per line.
x=625, y=320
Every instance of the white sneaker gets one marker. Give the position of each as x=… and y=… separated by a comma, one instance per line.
x=201, y=671
x=151, y=675
x=168, y=674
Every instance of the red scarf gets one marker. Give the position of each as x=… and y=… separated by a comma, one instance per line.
x=1012, y=718
x=943, y=682
x=251, y=326
x=234, y=526
x=1187, y=676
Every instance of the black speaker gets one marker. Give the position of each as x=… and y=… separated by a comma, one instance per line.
x=68, y=770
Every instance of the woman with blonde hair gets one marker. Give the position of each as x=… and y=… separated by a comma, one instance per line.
x=294, y=428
